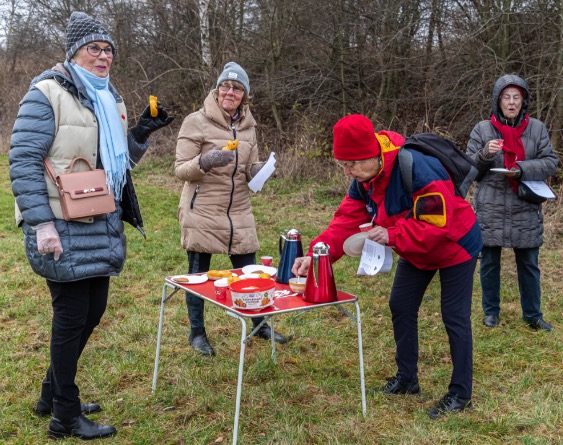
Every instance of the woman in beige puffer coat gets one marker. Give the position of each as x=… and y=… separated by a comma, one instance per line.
x=214, y=213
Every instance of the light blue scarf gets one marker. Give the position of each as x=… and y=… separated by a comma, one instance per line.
x=113, y=144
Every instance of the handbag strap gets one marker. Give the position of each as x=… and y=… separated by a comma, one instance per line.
x=51, y=171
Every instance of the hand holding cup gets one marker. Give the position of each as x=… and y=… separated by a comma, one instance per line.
x=495, y=146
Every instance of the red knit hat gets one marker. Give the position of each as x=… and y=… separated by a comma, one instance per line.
x=519, y=88
x=354, y=139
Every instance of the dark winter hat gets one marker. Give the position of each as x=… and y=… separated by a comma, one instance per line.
x=354, y=139
x=510, y=80
x=233, y=71
x=83, y=29
x=519, y=88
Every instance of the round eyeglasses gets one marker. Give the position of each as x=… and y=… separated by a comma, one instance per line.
x=95, y=50
x=236, y=90
x=351, y=164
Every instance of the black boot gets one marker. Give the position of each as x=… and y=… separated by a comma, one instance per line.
x=198, y=340
x=45, y=409
x=396, y=385
x=449, y=403
x=80, y=427
x=265, y=332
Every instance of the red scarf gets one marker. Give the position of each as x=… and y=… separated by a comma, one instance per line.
x=513, y=148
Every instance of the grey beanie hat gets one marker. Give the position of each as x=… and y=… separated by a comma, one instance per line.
x=83, y=29
x=233, y=71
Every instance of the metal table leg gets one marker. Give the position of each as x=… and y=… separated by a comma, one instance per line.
x=243, y=340
x=164, y=299
x=272, y=339
x=360, y=350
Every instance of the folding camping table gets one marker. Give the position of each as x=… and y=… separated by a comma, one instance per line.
x=282, y=305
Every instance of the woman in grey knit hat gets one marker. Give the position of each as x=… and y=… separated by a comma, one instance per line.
x=70, y=111
x=215, y=214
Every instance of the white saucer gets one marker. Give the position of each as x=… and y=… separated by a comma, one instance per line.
x=254, y=268
x=353, y=246
x=192, y=279
x=250, y=275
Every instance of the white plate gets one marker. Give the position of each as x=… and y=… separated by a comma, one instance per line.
x=353, y=246
x=501, y=170
x=254, y=268
x=250, y=275
x=192, y=279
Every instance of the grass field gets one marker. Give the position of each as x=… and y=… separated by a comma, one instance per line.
x=312, y=394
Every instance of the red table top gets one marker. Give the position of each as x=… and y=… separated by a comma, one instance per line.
x=283, y=304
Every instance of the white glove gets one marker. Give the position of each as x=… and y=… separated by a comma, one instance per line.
x=48, y=240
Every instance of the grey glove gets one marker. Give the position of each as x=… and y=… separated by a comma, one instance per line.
x=256, y=168
x=216, y=158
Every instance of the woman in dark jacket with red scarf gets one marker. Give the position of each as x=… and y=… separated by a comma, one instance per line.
x=511, y=139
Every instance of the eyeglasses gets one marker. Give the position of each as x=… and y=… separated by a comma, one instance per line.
x=351, y=164
x=237, y=91
x=95, y=50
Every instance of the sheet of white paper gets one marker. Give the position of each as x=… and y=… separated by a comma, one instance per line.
x=540, y=188
x=262, y=176
x=375, y=258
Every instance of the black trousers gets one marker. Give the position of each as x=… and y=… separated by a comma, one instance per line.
x=200, y=262
x=78, y=307
x=409, y=286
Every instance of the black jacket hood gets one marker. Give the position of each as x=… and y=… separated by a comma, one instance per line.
x=501, y=84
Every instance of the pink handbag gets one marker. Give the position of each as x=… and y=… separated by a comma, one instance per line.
x=82, y=194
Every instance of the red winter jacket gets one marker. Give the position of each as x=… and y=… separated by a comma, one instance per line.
x=431, y=229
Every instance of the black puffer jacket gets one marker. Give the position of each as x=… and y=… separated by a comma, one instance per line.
x=505, y=219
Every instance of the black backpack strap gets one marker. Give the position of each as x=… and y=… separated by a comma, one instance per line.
x=405, y=165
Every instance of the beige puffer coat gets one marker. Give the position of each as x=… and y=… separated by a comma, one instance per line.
x=214, y=213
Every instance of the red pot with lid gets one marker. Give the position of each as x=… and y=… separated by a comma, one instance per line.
x=253, y=293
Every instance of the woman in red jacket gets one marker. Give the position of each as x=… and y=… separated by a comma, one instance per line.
x=432, y=230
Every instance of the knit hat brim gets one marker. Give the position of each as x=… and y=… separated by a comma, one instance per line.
x=519, y=88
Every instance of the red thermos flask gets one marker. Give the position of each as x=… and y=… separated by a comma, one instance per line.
x=320, y=286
